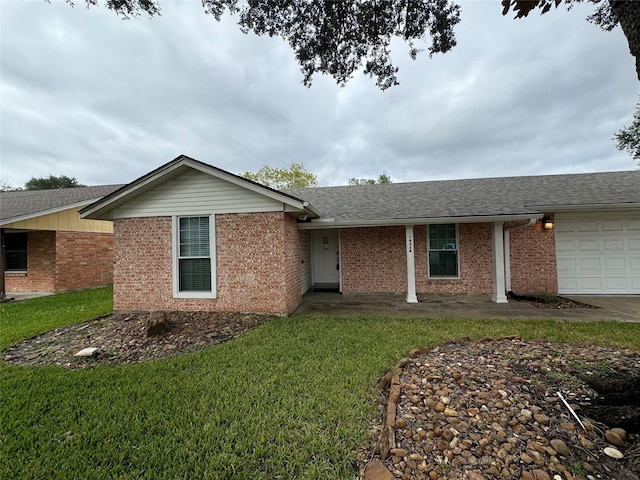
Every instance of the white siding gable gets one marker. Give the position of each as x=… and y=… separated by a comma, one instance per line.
x=196, y=193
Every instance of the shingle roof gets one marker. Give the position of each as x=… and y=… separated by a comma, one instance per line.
x=32, y=203
x=473, y=197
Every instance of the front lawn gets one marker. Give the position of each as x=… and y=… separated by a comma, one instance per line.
x=20, y=320
x=292, y=399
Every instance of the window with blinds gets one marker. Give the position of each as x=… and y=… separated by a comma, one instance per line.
x=194, y=255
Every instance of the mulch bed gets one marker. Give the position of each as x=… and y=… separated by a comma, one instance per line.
x=551, y=302
x=121, y=338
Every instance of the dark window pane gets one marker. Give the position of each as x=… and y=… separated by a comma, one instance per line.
x=442, y=237
x=195, y=274
x=443, y=250
x=16, y=261
x=15, y=251
x=443, y=264
x=15, y=241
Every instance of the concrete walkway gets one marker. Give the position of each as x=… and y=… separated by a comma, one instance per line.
x=621, y=309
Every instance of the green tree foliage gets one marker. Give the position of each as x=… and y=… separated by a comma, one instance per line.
x=629, y=137
x=296, y=176
x=339, y=37
x=51, y=182
x=382, y=178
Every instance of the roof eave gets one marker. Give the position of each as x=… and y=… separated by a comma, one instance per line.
x=41, y=213
x=586, y=207
x=327, y=223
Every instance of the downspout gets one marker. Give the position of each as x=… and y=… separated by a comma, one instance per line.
x=507, y=250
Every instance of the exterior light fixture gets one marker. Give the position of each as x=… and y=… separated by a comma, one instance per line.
x=547, y=223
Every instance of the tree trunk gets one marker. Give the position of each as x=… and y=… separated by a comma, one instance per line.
x=628, y=13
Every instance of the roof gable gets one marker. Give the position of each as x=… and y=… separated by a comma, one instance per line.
x=167, y=178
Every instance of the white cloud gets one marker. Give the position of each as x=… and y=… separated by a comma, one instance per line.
x=89, y=95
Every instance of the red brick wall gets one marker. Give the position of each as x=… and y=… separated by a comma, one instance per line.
x=252, y=262
x=292, y=264
x=41, y=260
x=474, y=251
x=142, y=263
x=373, y=259
x=83, y=260
x=533, y=260
x=255, y=270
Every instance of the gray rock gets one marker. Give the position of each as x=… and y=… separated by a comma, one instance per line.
x=560, y=447
x=86, y=352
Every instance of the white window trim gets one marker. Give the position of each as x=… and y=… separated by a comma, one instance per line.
x=175, y=230
x=444, y=277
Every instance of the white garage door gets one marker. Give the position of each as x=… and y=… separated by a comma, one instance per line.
x=598, y=253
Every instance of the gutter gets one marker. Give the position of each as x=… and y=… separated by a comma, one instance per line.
x=311, y=209
x=588, y=207
x=323, y=223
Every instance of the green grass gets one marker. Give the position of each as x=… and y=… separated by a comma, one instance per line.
x=292, y=399
x=20, y=320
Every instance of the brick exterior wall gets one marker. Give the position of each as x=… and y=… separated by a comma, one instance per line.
x=142, y=263
x=258, y=263
x=475, y=265
x=63, y=261
x=374, y=260
x=292, y=265
x=41, y=260
x=83, y=260
x=533, y=260
x=258, y=270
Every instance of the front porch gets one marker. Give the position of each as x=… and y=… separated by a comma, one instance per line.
x=455, y=306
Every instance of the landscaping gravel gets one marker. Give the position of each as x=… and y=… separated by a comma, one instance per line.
x=490, y=410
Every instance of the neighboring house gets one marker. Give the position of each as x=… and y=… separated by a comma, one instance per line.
x=47, y=248
x=190, y=236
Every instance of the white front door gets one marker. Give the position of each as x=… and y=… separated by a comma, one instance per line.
x=326, y=257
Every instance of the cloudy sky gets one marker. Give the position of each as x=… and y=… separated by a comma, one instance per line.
x=86, y=94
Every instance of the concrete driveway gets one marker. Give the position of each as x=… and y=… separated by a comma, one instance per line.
x=622, y=308
x=621, y=304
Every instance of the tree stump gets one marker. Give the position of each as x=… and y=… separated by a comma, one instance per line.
x=156, y=324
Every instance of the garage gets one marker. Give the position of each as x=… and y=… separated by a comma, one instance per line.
x=598, y=253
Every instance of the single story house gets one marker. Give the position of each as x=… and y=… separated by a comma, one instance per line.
x=47, y=248
x=190, y=236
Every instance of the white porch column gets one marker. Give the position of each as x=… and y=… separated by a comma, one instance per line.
x=507, y=261
x=411, y=266
x=499, y=287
